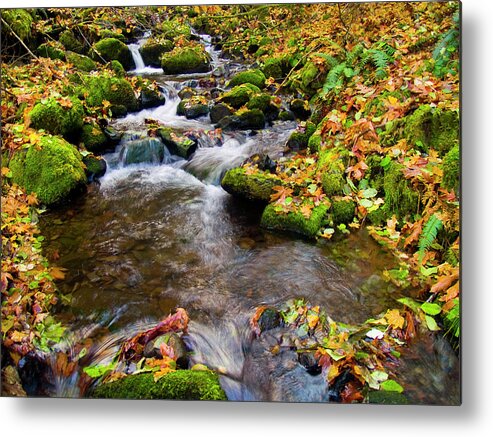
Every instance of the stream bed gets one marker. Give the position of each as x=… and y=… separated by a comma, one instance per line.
x=153, y=236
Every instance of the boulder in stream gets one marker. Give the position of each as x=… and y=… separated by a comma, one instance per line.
x=109, y=49
x=152, y=50
x=174, y=341
x=180, y=384
x=256, y=186
x=219, y=111
x=240, y=95
x=177, y=144
x=243, y=120
x=255, y=77
x=294, y=221
x=193, y=107
x=182, y=60
x=142, y=150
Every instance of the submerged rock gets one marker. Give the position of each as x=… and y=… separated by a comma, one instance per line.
x=172, y=340
x=180, y=384
x=142, y=150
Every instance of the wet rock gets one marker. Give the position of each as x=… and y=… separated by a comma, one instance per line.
x=287, y=116
x=186, y=93
x=11, y=383
x=174, y=341
x=300, y=108
x=193, y=107
x=151, y=98
x=257, y=186
x=300, y=137
x=309, y=362
x=153, y=49
x=219, y=111
x=177, y=144
x=93, y=138
x=243, y=120
x=142, y=150
x=95, y=167
x=240, y=95
x=109, y=49
x=269, y=319
x=262, y=161
x=246, y=243
x=254, y=77
x=183, y=60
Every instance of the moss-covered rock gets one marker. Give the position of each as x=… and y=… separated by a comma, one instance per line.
x=107, y=33
x=315, y=142
x=276, y=67
x=95, y=167
x=179, y=385
x=64, y=118
x=255, y=77
x=286, y=116
x=71, y=43
x=52, y=169
x=400, y=197
x=256, y=186
x=219, y=111
x=177, y=144
x=294, y=221
x=93, y=138
x=300, y=137
x=343, y=211
x=173, y=29
x=117, y=91
x=300, y=108
x=117, y=68
x=20, y=21
x=426, y=128
x=240, y=95
x=183, y=60
x=451, y=169
x=152, y=50
x=193, y=107
x=110, y=49
x=312, y=78
x=81, y=62
x=243, y=120
x=331, y=163
x=51, y=50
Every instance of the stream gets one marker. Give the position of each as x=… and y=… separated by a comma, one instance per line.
x=156, y=235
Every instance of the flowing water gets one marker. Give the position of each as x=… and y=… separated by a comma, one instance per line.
x=161, y=234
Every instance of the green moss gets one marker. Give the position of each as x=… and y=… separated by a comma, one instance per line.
x=255, y=77
x=57, y=119
x=343, y=211
x=106, y=33
x=429, y=127
x=117, y=91
x=312, y=78
x=194, y=107
x=117, y=67
x=110, y=49
x=387, y=398
x=276, y=67
x=181, y=384
x=331, y=165
x=81, y=62
x=260, y=101
x=95, y=166
x=20, y=21
x=52, y=51
x=400, y=197
x=315, y=142
x=71, y=43
x=177, y=144
x=185, y=60
x=257, y=186
x=294, y=221
x=451, y=169
x=52, y=169
x=153, y=49
x=173, y=29
x=300, y=137
x=240, y=95
x=379, y=216
x=243, y=120
x=93, y=138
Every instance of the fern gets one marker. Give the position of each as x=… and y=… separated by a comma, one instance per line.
x=330, y=60
x=355, y=54
x=429, y=234
x=335, y=78
x=452, y=319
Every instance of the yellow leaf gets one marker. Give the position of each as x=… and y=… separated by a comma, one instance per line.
x=57, y=273
x=395, y=319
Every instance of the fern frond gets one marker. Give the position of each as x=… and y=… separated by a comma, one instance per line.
x=354, y=54
x=330, y=60
x=428, y=235
x=335, y=78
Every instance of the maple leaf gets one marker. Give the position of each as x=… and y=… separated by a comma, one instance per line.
x=306, y=210
x=395, y=319
x=280, y=194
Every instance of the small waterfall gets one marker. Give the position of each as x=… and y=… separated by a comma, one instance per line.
x=140, y=67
